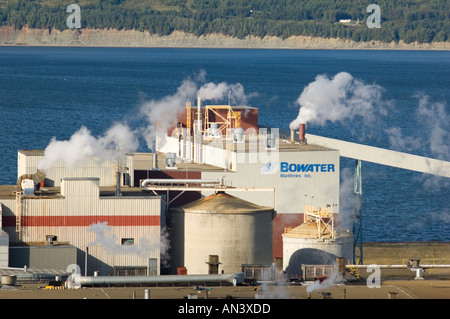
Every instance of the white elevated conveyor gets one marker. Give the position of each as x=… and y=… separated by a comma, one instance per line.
x=382, y=156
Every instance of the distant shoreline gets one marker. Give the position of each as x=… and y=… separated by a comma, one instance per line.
x=138, y=39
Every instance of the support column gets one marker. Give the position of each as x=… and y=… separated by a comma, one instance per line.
x=357, y=216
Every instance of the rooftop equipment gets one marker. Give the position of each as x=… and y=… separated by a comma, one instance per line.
x=36, y=178
x=171, y=160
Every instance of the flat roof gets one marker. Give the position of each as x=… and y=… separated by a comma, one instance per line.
x=9, y=192
x=144, y=161
x=284, y=144
x=32, y=152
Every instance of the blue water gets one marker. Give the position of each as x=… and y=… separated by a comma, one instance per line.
x=52, y=92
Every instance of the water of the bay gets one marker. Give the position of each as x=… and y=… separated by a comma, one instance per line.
x=52, y=92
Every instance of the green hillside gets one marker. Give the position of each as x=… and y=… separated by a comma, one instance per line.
x=423, y=21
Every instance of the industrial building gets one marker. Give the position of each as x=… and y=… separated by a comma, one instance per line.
x=111, y=233
x=220, y=195
x=260, y=165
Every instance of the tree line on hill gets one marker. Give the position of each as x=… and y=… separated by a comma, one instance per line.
x=423, y=21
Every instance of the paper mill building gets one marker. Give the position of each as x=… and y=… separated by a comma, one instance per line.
x=112, y=218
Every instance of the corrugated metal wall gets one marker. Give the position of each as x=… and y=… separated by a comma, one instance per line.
x=92, y=167
x=4, y=245
x=83, y=219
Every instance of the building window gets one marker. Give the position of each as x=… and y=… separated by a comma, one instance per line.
x=127, y=241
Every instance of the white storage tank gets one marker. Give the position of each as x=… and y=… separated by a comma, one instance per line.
x=301, y=245
x=219, y=233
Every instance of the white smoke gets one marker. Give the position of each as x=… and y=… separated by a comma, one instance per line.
x=116, y=142
x=432, y=138
x=332, y=280
x=162, y=114
x=398, y=141
x=339, y=98
x=437, y=122
x=109, y=242
x=212, y=91
x=346, y=199
x=120, y=139
x=434, y=122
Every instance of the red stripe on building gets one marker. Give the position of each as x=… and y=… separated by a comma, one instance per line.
x=74, y=221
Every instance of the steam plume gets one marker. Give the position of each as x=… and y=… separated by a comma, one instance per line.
x=333, y=279
x=110, y=243
x=116, y=142
x=437, y=121
x=162, y=114
x=342, y=97
x=435, y=133
x=120, y=139
x=346, y=199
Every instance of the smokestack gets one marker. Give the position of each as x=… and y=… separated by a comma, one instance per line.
x=155, y=161
x=118, y=181
x=292, y=135
x=301, y=133
x=198, y=138
x=199, y=109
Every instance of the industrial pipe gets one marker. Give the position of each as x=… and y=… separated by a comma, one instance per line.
x=399, y=266
x=234, y=278
x=146, y=182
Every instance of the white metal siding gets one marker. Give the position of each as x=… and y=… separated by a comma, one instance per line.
x=93, y=167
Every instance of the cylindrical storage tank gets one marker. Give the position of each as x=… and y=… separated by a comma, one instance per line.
x=8, y=280
x=220, y=227
x=301, y=245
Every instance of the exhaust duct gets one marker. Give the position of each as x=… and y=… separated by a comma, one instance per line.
x=301, y=133
x=37, y=179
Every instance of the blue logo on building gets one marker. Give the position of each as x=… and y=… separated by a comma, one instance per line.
x=300, y=168
x=269, y=168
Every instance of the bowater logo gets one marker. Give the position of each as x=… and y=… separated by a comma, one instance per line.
x=299, y=168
